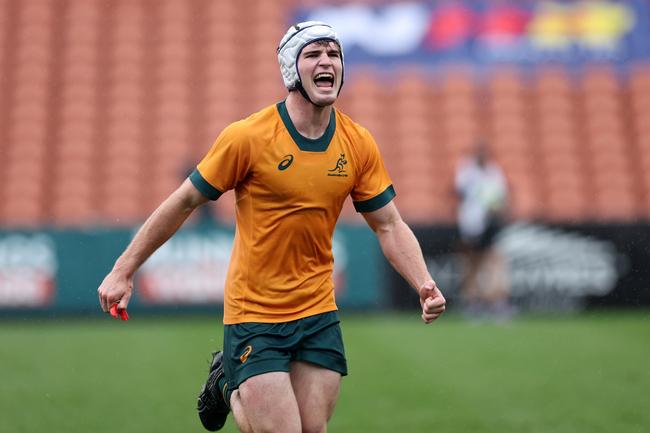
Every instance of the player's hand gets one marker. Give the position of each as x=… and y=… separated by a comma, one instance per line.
x=116, y=289
x=432, y=302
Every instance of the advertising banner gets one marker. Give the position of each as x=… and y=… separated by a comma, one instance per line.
x=28, y=268
x=60, y=270
x=191, y=268
x=487, y=32
x=549, y=268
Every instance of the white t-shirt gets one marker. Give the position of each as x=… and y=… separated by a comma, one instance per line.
x=483, y=190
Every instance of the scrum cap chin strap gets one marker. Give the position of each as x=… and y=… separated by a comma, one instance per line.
x=304, y=94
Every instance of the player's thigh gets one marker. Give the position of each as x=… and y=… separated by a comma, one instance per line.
x=269, y=403
x=316, y=390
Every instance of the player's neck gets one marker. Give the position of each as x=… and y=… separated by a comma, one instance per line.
x=310, y=120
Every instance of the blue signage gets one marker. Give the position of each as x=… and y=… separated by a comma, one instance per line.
x=484, y=32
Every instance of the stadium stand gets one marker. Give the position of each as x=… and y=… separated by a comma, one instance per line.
x=107, y=105
x=638, y=92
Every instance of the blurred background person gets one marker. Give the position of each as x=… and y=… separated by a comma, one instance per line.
x=482, y=212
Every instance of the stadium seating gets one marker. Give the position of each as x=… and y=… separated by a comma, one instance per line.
x=106, y=107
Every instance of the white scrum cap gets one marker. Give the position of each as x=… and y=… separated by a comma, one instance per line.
x=297, y=37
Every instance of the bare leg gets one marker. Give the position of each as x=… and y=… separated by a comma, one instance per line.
x=469, y=286
x=316, y=390
x=266, y=404
x=493, y=278
x=238, y=413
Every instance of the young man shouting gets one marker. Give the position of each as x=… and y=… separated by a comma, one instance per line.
x=292, y=165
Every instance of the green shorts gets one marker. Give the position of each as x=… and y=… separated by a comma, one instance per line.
x=254, y=348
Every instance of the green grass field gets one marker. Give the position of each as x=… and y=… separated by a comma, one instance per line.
x=588, y=373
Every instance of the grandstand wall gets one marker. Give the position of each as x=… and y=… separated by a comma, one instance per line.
x=107, y=105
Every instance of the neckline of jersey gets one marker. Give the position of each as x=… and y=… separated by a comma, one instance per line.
x=307, y=144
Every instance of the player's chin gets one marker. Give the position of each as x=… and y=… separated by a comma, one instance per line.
x=324, y=100
x=324, y=96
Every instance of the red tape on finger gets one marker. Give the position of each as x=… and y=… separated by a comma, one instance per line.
x=121, y=312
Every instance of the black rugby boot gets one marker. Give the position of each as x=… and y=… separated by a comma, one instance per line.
x=212, y=407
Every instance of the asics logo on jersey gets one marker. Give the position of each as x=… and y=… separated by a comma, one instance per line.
x=339, y=169
x=244, y=355
x=286, y=162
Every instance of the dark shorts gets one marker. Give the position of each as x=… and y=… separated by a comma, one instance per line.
x=485, y=240
x=254, y=348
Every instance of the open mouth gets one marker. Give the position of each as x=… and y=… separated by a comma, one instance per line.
x=324, y=79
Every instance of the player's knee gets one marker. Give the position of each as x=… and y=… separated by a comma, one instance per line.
x=315, y=421
x=275, y=424
x=268, y=407
x=314, y=426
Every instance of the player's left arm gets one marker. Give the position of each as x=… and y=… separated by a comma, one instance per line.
x=401, y=248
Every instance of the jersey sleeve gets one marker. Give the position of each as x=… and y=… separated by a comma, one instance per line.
x=225, y=165
x=373, y=188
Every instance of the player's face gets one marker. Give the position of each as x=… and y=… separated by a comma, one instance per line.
x=321, y=71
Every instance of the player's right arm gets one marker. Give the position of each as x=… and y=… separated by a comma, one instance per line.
x=157, y=229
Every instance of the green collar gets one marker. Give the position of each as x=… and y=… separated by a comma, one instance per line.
x=307, y=144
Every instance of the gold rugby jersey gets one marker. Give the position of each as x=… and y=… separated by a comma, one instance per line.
x=289, y=193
